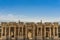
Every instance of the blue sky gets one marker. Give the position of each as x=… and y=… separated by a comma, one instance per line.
x=30, y=10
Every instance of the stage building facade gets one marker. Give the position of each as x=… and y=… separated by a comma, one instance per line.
x=29, y=31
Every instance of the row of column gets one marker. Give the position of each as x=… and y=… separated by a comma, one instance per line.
x=26, y=29
x=51, y=32
x=12, y=32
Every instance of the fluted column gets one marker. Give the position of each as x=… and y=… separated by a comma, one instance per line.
x=50, y=32
x=5, y=31
x=14, y=31
x=57, y=31
x=45, y=32
x=26, y=32
x=18, y=31
x=41, y=32
x=22, y=32
x=34, y=32
x=9, y=31
x=37, y=31
x=2, y=32
x=53, y=32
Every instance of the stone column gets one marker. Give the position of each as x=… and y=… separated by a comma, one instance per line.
x=57, y=31
x=50, y=32
x=2, y=33
x=14, y=32
x=41, y=32
x=22, y=32
x=37, y=31
x=9, y=32
x=33, y=32
x=18, y=31
x=5, y=31
x=53, y=32
x=45, y=32
x=26, y=32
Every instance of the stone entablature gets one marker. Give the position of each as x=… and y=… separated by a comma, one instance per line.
x=55, y=24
